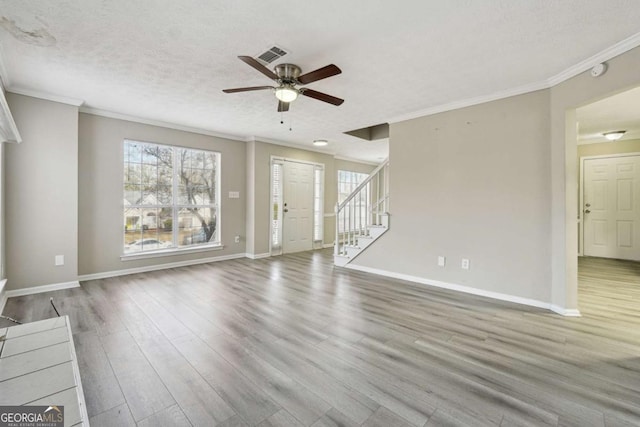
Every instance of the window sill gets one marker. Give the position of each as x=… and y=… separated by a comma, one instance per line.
x=169, y=252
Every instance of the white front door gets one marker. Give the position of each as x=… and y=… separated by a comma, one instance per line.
x=297, y=233
x=611, y=208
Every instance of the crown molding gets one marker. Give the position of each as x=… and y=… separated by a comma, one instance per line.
x=46, y=96
x=8, y=129
x=158, y=123
x=4, y=77
x=456, y=105
x=603, y=56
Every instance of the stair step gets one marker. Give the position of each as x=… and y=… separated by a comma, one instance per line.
x=376, y=231
x=341, y=260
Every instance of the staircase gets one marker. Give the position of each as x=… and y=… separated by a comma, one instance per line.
x=362, y=217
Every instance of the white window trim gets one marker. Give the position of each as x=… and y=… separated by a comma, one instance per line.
x=171, y=252
x=177, y=250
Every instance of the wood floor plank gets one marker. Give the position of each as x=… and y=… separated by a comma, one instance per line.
x=119, y=416
x=144, y=391
x=292, y=339
x=169, y=417
x=304, y=405
x=101, y=389
x=197, y=399
x=249, y=401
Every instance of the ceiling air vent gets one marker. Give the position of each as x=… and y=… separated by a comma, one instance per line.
x=271, y=55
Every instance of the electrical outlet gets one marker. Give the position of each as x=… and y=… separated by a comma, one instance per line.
x=442, y=261
x=237, y=239
x=59, y=260
x=465, y=263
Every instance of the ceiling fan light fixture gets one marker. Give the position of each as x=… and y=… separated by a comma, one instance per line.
x=286, y=93
x=614, y=135
x=320, y=142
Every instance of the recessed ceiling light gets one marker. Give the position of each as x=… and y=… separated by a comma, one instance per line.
x=320, y=142
x=614, y=135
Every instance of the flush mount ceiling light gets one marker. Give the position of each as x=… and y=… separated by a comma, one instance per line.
x=286, y=93
x=614, y=135
x=320, y=142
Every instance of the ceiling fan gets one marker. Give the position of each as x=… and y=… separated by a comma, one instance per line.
x=288, y=76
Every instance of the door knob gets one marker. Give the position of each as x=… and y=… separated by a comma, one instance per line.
x=587, y=211
x=588, y=204
x=285, y=210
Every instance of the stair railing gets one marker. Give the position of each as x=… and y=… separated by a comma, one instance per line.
x=363, y=208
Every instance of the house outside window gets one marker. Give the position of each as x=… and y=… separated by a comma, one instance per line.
x=171, y=198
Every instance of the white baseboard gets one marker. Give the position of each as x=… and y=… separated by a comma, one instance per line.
x=44, y=288
x=327, y=245
x=3, y=294
x=467, y=289
x=568, y=312
x=115, y=273
x=257, y=256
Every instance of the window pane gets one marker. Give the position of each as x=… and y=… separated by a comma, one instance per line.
x=276, y=204
x=348, y=181
x=196, y=226
x=164, y=194
x=165, y=176
x=150, y=154
x=151, y=175
x=165, y=226
x=132, y=152
x=183, y=195
x=132, y=194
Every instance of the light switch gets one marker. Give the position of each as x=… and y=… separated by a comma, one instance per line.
x=234, y=194
x=59, y=260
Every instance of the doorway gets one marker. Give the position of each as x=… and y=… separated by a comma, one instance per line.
x=608, y=158
x=297, y=192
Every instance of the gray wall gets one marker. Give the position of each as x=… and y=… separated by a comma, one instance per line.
x=554, y=153
x=41, y=193
x=472, y=183
x=100, y=190
x=258, y=216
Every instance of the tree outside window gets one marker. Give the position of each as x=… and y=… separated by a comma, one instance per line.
x=171, y=197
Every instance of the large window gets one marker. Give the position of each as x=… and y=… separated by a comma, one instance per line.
x=171, y=197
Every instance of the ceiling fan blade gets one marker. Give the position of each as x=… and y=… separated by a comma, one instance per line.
x=319, y=74
x=321, y=96
x=283, y=106
x=246, y=89
x=258, y=66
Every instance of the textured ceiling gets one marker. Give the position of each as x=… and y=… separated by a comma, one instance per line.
x=169, y=60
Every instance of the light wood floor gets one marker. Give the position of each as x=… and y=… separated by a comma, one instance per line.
x=293, y=341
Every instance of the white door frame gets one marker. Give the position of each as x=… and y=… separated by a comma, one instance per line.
x=581, y=192
x=280, y=160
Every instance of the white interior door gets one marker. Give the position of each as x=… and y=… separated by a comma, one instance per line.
x=297, y=230
x=611, y=208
